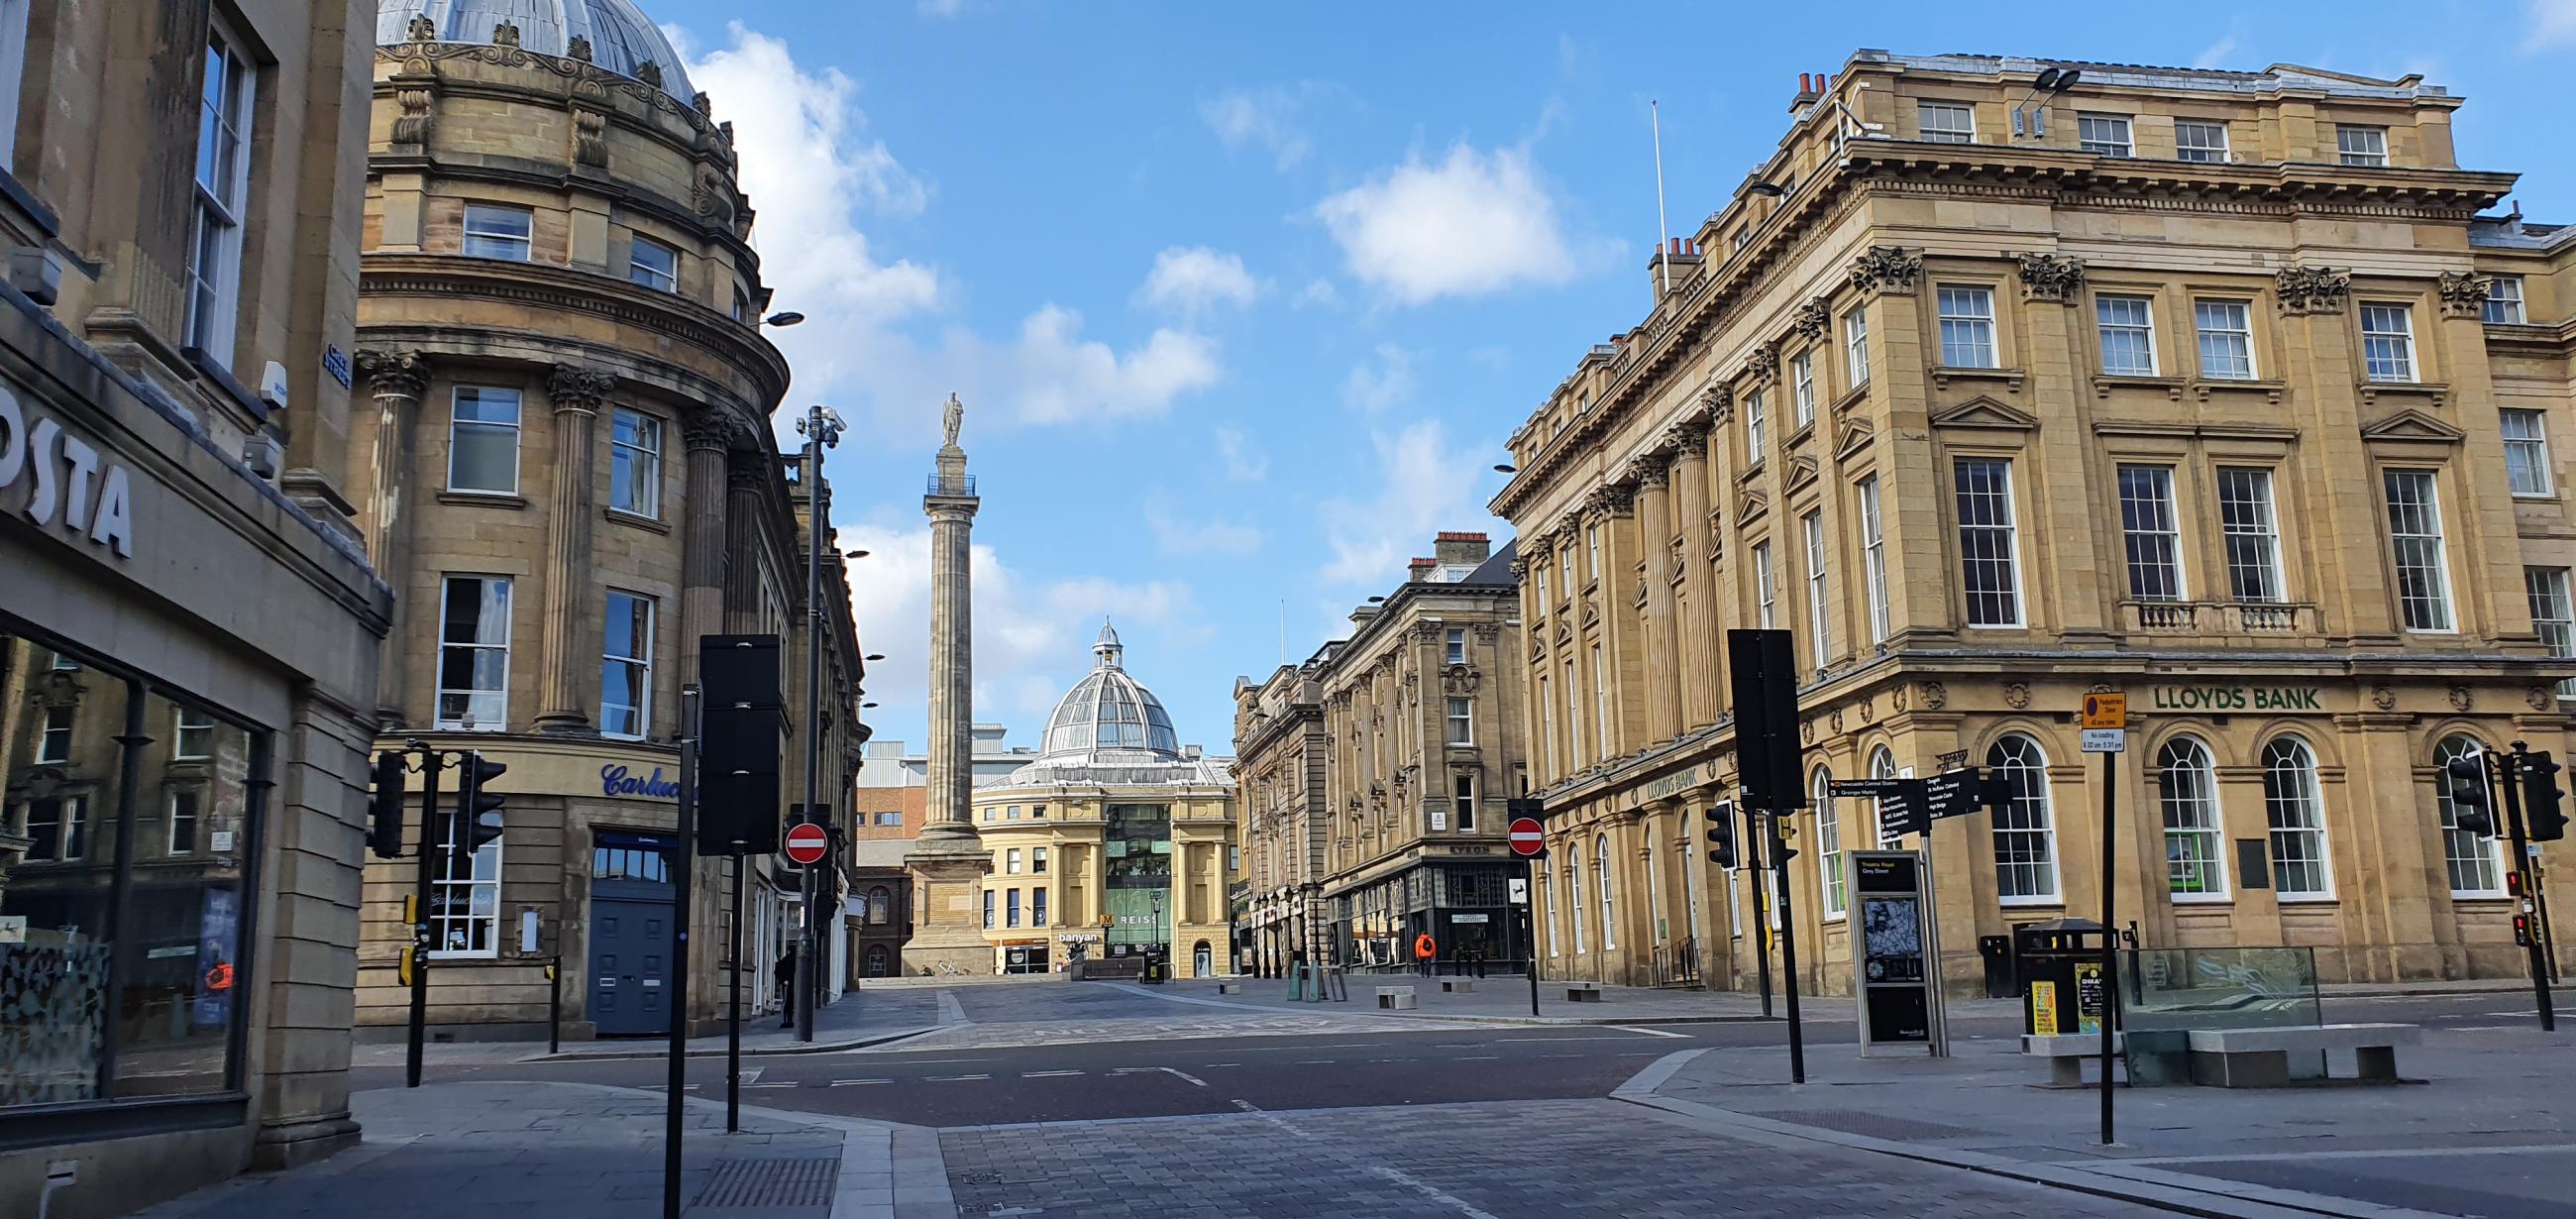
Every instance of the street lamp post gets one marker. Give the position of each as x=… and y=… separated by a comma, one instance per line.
x=822, y=430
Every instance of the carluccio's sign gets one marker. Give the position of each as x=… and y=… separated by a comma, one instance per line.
x=2236, y=698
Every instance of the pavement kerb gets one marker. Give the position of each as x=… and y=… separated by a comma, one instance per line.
x=1338, y=1010
x=819, y=1047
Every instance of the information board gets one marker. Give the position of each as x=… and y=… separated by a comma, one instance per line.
x=1893, y=969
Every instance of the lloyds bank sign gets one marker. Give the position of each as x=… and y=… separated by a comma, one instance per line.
x=2236, y=698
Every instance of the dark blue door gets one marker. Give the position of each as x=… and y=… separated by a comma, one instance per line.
x=630, y=948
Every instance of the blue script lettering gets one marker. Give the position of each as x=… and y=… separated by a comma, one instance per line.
x=616, y=781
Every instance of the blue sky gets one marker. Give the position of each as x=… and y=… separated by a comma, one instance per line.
x=1243, y=300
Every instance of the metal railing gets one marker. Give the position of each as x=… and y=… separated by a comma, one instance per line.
x=1677, y=963
x=963, y=484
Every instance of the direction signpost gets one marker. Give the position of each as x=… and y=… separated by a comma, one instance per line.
x=1529, y=841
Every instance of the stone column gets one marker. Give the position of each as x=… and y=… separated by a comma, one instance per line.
x=743, y=486
x=396, y=379
x=1698, y=626
x=949, y=853
x=702, y=546
x=568, y=664
x=1660, y=652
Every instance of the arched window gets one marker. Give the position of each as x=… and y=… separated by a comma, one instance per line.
x=2298, y=820
x=1547, y=896
x=2187, y=788
x=1829, y=845
x=1601, y=875
x=2025, y=830
x=1574, y=890
x=2476, y=864
x=880, y=905
x=1882, y=765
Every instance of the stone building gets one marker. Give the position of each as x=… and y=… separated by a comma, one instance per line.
x=2208, y=386
x=570, y=475
x=1373, y=775
x=889, y=808
x=1115, y=842
x=188, y=626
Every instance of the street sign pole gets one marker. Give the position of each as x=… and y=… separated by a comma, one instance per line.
x=1756, y=856
x=685, y=828
x=1528, y=838
x=424, y=884
x=2105, y=724
x=1529, y=920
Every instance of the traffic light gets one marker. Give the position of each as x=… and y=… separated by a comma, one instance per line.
x=1721, y=834
x=2541, y=797
x=479, y=809
x=2471, y=806
x=385, y=804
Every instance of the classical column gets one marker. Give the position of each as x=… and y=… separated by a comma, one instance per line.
x=1698, y=625
x=568, y=667
x=1654, y=546
x=396, y=379
x=744, y=483
x=708, y=435
x=948, y=852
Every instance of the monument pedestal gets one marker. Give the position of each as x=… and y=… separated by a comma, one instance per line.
x=947, y=904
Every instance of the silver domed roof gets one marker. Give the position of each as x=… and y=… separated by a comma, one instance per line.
x=1108, y=715
x=621, y=37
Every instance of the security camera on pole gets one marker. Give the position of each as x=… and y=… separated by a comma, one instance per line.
x=822, y=430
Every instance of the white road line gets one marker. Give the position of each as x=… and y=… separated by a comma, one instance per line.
x=1175, y=1071
x=951, y=1079
x=769, y=1085
x=1479, y=1057
x=852, y=1083
x=1220, y=1064
x=1399, y=1177
x=1650, y=1032
x=1046, y=1074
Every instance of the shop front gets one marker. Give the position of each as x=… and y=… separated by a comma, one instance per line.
x=183, y=659
x=1464, y=906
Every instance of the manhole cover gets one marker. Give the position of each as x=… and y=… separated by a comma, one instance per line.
x=1877, y=1126
x=771, y=1182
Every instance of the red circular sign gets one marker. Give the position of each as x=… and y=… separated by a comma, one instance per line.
x=1527, y=837
x=806, y=843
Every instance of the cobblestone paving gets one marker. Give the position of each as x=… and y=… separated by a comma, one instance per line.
x=1513, y=1160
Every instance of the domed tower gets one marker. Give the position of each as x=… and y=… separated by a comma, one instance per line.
x=1114, y=843
x=569, y=474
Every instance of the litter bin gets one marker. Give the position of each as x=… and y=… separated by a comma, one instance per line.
x=1153, y=970
x=1997, y=951
x=2056, y=962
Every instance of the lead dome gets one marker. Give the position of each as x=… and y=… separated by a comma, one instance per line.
x=1109, y=715
x=622, y=39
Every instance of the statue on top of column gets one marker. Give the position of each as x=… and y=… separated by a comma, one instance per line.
x=950, y=417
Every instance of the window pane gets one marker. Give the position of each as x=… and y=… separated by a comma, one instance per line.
x=2387, y=342
x=2128, y=335
x=635, y=463
x=2415, y=531
x=2253, y=543
x=54, y=1003
x=1967, y=327
x=1856, y=346
x=2476, y=865
x=653, y=264
x=182, y=944
x=1829, y=842
x=2187, y=789
x=474, y=652
x=494, y=231
x=1873, y=542
x=1986, y=542
x=2504, y=300
x=1802, y=377
x=2200, y=141
x=2526, y=452
x=2297, y=818
x=1943, y=123
x=2552, y=615
x=483, y=441
x=2226, y=339
x=2103, y=135
x=626, y=672
x=2362, y=145
x=2025, y=831
x=2147, y=525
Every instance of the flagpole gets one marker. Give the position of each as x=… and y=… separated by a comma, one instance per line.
x=1663, y=227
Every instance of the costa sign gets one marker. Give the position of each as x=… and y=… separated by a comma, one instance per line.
x=60, y=481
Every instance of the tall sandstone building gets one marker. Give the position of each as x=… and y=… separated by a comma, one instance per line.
x=2211, y=387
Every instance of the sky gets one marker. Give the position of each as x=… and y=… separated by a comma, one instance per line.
x=1243, y=300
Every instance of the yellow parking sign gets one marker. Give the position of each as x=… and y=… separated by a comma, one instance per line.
x=2105, y=711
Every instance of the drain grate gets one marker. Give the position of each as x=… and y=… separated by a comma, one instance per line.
x=771, y=1182
x=1874, y=1125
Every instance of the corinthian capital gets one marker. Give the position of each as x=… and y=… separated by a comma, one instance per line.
x=393, y=374
x=574, y=388
x=708, y=429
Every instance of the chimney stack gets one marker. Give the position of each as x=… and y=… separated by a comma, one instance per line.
x=1461, y=549
x=1422, y=569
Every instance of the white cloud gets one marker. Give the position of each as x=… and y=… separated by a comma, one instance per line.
x=2219, y=53
x=812, y=173
x=1474, y=223
x=1190, y=280
x=1373, y=387
x=1424, y=487
x=1267, y=117
x=1032, y=638
x=1195, y=533
x=2553, y=24
x=1318, y=292
x=1240, y=466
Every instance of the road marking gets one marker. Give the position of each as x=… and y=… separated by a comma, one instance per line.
x=852, y=1083
x=788, y=1085
x=1184, y=1075
x=1650, y=1032
x=951, y=1079
x=1479, y=1057
x=752, y=1073
x=1046, y=1074
x=1220, y=1064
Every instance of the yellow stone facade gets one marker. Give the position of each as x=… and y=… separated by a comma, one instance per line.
x=2206, y=393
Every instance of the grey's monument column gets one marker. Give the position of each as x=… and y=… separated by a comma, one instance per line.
x=948, y=861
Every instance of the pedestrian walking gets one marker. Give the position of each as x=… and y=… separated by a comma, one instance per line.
x=1425, y=951
x=787, y=989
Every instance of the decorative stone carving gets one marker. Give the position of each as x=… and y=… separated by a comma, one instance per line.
x=650, y=73
x=2051, y=277
x=1652, y=473
x=578, y=48
x=2540, y=698
x=398, y=374
x=708, y=430
x=589, y=138
x=1806, y=732
x=2307, y=290
x=1935, y=696
x=1763, y=362
x=1687, y=437
x=1869, y=709
x=1519, y=570
x=1886, y=269
x=1836, y=717
x=703, y=104
x=422, y=29
x=1618, y=499
x=505, y=34
x=2383, y=698
x=2464, y=293
x=1717, y=402
x=1896, y=698
x=2460, y=699
x=1460, y=681
x=1487, y=632
x=412, y=116
x=2017, y=695
x=572, y=386
x=1812, y=318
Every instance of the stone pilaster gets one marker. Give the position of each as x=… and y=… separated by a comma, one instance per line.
x=702, y=546
x=744, y=483
x=1661, y=648
x=567, y=666
x=396, y=379
x=1698, y=614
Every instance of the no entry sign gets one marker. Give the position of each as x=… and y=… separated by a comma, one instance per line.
x=806, y=844
x=1527, y=837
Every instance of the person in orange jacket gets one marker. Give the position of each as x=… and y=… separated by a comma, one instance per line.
x=1424, y=950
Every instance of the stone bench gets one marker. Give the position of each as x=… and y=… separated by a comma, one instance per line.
x=1229, y=988
x=2260, y=1058
x=1583, y=992
x=1458, y=986
x=2066, y=1053
x=1395, y=998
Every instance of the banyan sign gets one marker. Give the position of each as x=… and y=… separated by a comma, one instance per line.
x=2237, y=698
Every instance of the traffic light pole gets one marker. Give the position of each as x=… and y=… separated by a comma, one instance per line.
x=733, y=1005
x=424, y=880
x=2511, y=765
x=1788, y=952
x=1755, y=858
x=685, y=830
x=1529, y=922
